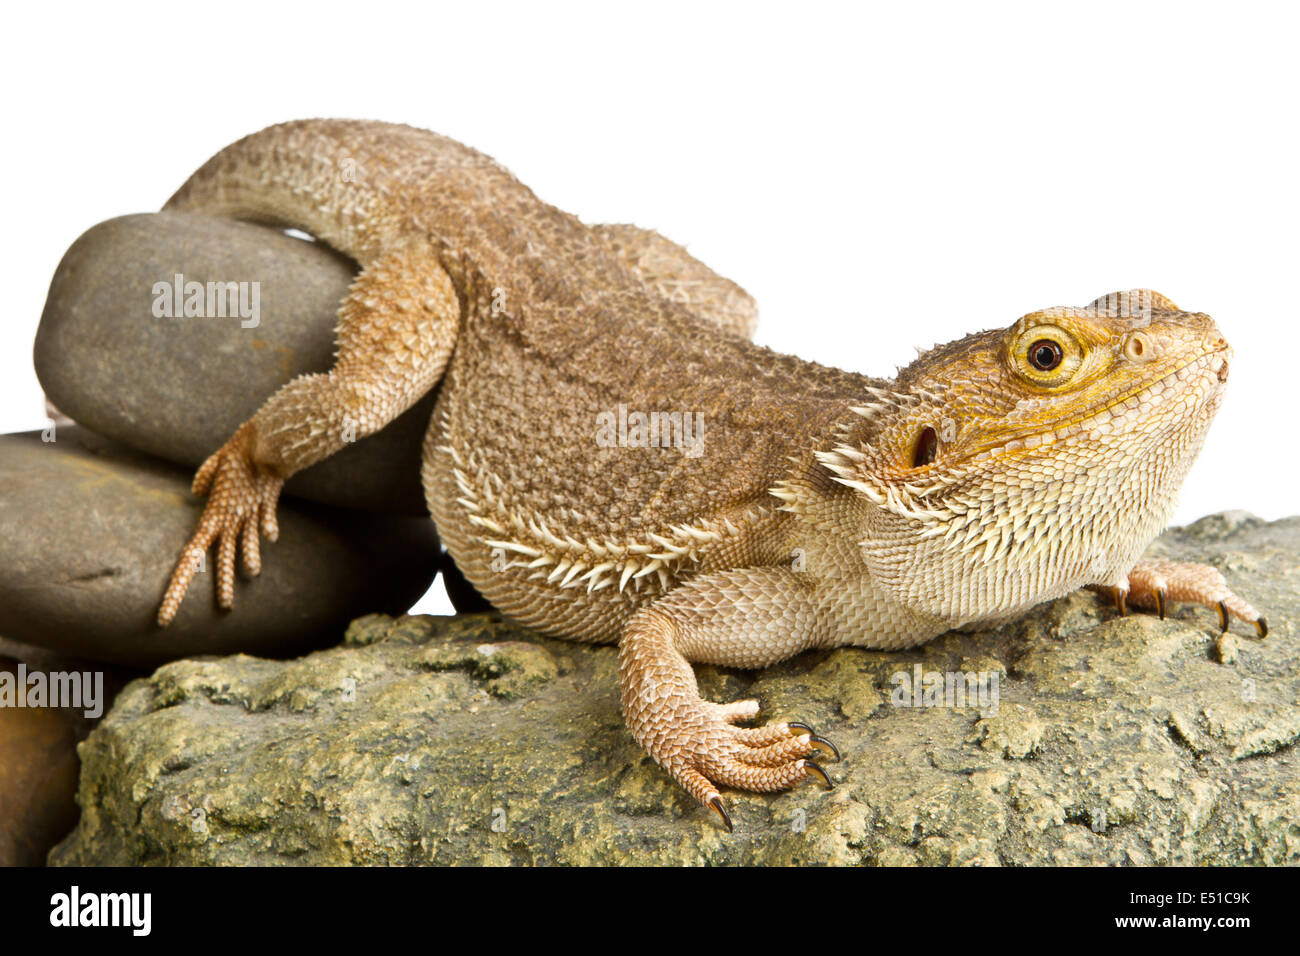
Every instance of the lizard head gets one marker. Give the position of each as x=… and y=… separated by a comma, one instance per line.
x=1048, y=453
x=1130, y=364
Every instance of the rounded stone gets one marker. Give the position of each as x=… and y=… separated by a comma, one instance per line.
x=177, y=386
x=38, y=778
x=90, y=531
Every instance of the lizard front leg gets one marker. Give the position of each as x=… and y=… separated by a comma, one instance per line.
x=1153, y=584
x=746, y=618
x=396, y=329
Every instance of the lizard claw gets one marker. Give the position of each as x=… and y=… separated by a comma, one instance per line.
x=720, y=808
x=241, y=504
x=825, y=746
x=813, y=767
x=816, y=739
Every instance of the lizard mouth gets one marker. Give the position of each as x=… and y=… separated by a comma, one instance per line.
x=1130, y=405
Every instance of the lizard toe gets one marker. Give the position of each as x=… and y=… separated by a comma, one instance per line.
x=750, y=760
x=777, y=754
x=241, y=504
x=733, y=771
x=738, y=710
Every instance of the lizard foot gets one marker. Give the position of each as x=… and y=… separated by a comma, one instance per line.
x=1153, y=584
x=696, y=740
x=241, y=504
x=703, y=750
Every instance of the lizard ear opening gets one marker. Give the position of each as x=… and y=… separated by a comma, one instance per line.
x=927, y=447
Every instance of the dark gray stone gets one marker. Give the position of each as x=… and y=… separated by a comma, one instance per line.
x=179, y=387
x=90, y=530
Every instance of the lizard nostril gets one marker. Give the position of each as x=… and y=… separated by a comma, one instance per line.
x=1223, y=371
x=1139, y=347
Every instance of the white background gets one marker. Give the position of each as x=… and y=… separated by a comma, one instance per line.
x=879, y=176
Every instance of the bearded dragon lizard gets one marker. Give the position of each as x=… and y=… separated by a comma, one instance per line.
x=813, y=507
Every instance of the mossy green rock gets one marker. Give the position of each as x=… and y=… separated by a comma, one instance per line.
x=468, y=740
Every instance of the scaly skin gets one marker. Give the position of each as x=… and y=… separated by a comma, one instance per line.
x=821, y=508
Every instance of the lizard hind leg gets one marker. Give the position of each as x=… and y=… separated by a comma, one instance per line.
x=396, y=329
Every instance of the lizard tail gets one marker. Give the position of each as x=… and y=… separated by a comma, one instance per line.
x=324, y=177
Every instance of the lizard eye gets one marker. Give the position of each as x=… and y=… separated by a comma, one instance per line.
x=1045, y=355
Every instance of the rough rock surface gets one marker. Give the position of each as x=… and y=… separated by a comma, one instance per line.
x=90, y=530
x=178, y=387
x=465, y=740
